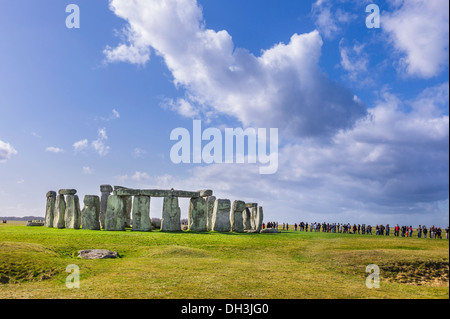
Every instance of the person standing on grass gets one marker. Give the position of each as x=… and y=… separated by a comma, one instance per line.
x=388, y=229
x=446, y=233
x=419, y=230
x=425, y=231
x=410, y=230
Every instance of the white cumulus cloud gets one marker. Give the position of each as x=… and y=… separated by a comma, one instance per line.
x=99, y=144
x=283, y=87
x=80, y=145
x=6, y=151
x=55, y=150
x=419, y=30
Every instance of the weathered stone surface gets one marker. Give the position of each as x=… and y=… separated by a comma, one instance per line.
x=67, y=191
x=120, y=187
x=106, y=192
x=259, y=218
x=51, y=194
x=35, y=223
x=128, y=204
x=247, y=216
x=154, y=192
x=97, y=254
x=73, y=214
x=269, y=231
x=90, y=215
x=50, y=209
x=251, y=205
x=221, y=215
x=141, y=214
x=254, y=210
x=197, y=214
x=115, y=216
x=60, y=211
x=171, y=216
x=156, y=223
x=237, y=219
x=205, y=193
x=209, y=212
x=106, y=188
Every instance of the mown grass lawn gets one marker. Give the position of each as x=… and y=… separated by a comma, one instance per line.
x=290, y=265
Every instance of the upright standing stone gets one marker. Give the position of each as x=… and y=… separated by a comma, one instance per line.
x=197, y=214
x=259, y=218
x=253, y=217
x=90, y=215
x=237, y=219
x=115, y=217
x=171, y=216
x=141, y=214
x=60, y=211
x=106, y=191
x=50, y=209
x=128, y=202
x=221, y=215
x=209, y=212
x=72, y=215
x=247, y=216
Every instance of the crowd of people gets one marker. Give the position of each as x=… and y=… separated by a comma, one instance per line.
x=379, y=230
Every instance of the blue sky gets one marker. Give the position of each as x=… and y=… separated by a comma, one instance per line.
x=362, y=113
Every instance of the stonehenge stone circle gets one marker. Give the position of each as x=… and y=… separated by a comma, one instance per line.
x=221, y=215
x=237, y=219
x=209, y=211
x=50, y=209
x=60, y=211
x=91, y=213
x=131, y=207
x=115, y=216
x=171, y=215
x=197, y=214
x=141, y=214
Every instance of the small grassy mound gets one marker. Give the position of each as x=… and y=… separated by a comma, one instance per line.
x=20, y=262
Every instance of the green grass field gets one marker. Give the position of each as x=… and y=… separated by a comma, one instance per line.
x=290, y=265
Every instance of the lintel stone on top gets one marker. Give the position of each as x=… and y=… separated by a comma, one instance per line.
x=67, y=191
x=155, y=193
